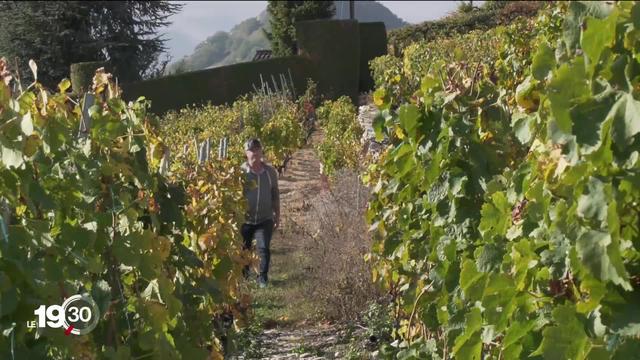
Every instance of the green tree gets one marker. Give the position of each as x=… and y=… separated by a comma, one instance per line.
x=284, y=14
x=56, y=34
x=465, y=7
x=128, y=33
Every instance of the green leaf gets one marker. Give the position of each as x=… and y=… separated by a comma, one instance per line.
x=381, y=99
x=222, y=268
x=565, y=340
x=516, y=331
x=522, y=126
x=599, y=353
x=469, y=275
x=409, y=115
x=627, y=350
x=512, y=352
x=428, y=83
x=26, y=101
x=587, y=122
x=626, y=121
x=599, y=34
x=469, y=344
x=524, y=258
x=471, y=350
x=496, y=215
x=126, y=254
x=593, y=205
x=595, y=251
x=378, y=127
x=527, y=96
x=594, y=291
x=567, y=85
x=543, y=61
x=578, y=10
x=489, y=257
x=471, y=281
x=64, y=85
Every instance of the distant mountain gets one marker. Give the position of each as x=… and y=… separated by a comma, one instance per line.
x=242, y=41
x=369, y=11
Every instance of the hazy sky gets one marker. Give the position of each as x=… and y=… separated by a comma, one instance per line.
x=201, y=19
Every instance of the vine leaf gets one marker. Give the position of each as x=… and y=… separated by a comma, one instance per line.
x=543, y=61
x=603, y=260
x=496, y=215
x=469, y=344
x=567, y=85
x=626, y=121
x=594, y=204
x=565, y=340
x=600, y=33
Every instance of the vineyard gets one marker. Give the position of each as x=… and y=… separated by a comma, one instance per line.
x=112, y=201
x=503, y=213
x=339, y=148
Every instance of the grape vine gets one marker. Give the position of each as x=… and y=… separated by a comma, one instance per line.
x=341, y=143
x=105, y=204
x=505, y=211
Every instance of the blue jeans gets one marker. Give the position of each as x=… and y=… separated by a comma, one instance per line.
x=262, y=233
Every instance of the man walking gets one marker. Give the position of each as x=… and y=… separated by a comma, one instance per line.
x=263, y=206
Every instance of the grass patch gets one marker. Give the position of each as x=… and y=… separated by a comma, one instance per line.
x=283, y=302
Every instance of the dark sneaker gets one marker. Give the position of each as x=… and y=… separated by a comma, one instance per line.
x=262, y=283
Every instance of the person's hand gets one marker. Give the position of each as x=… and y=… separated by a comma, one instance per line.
x=276, y=222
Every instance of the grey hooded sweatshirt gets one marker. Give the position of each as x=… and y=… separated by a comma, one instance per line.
x=262, y=194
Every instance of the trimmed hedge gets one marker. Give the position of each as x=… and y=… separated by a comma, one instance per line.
x=373, y=43
x=486, y=17
x=333, y=47
x=222, y=85
x=334, y=53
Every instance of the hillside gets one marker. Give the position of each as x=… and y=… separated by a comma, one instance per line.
x=242, y=41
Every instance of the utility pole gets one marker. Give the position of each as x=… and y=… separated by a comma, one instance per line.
x=351, y=10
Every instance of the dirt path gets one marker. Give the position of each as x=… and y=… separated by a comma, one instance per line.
x=289, y=327
x=286, y=317
x=306, y=342
x=301, y=180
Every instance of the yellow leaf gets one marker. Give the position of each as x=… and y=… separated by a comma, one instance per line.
x=486, y=136
x=216, y=353
x=21, y=210
x=64, y=85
